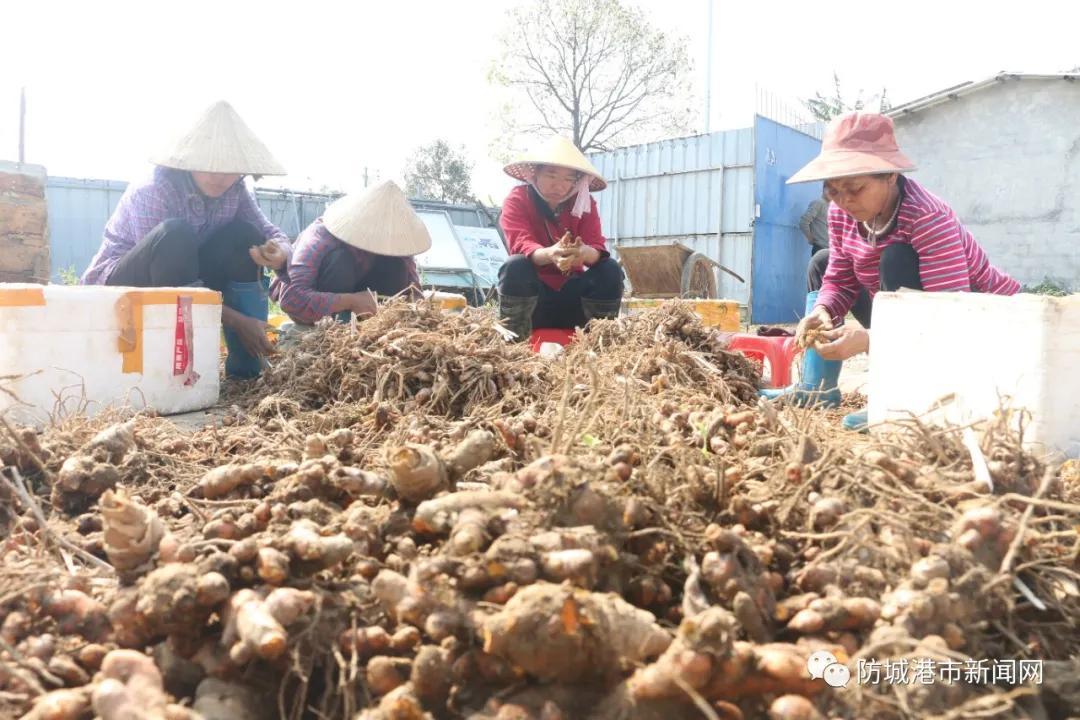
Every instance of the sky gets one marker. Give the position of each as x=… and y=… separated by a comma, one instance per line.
x=336, y=87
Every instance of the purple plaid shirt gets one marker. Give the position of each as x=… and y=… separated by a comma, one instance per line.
x=172, y=194
x=295, y=290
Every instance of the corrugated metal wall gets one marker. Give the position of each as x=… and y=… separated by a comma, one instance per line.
x=79, y=209
x=698, y=191
x=462, y=215
x=291, y=211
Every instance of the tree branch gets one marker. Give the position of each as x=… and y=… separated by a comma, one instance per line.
x=594, y=68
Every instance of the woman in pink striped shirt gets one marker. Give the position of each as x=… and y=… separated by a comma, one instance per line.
x=886, y=232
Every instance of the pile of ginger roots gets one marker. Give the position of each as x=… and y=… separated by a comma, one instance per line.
x=413, y=518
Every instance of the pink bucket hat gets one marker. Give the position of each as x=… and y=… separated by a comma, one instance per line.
x=856, y=144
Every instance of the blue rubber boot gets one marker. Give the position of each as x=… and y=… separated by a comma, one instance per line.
x=857, y=421
x=820, y=377
x=247, y=298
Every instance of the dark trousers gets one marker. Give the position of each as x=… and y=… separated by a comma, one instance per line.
x=899, y=268
x=339, y=272
x=170, y=256
x=561, y=308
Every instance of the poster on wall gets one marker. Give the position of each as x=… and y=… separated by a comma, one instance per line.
x=485, y=252
x=445, y=252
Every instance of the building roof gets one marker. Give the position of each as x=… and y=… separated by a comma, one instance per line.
x=954, y=92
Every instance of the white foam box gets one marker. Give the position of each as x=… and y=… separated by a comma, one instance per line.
x=68, y=349
x=975, y=352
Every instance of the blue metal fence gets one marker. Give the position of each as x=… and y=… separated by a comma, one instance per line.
x=79, y=209
x=724, y=195
x=697, y=191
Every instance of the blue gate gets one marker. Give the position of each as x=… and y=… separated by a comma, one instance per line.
x=781, y=253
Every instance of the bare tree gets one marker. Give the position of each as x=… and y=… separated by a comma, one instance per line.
x=826, y=107
x=593, y=70
x=439, y=172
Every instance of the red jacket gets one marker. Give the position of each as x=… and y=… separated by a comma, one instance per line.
x=527, y=230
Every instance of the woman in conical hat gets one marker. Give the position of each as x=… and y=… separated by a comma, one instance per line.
x=559, y=274
x=196, y=222
x=364, y=244
x=886, y=232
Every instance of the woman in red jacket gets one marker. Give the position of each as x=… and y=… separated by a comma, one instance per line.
x=559, y=274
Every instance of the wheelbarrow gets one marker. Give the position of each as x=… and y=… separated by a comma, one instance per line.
x=660, y=272
x=669, y=271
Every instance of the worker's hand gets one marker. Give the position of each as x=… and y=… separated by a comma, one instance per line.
x=268, y=255
x=363, y=303
x=567, y=255
x=817, y=319
x=252, y=334
x=843, y=343
x=588, y=255
x=544, y=256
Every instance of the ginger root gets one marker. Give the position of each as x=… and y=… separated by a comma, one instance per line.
x=440, y=515
x=81, y=480
x=132, y=531
x=706, y=657
x=287, y=605
x=558, y=633
x=113, y=443
x=132, y=687
x=272, y=565
x=982, y=531
x=256, y=626
x=793, y=707
x=251, y=629
x=15, y=627
x=417, y=472
x=831, y=614
x=219, y=700
x=358, y=483
x=475, y=450
x=399, y=704
x=76, y=612
x=305, y=543
x=73, y=704
x=177, y=598
x=384, y=673
x=390, y=588
x=430, y=676
x=575, y=564
x=65, y=668
x=223, y=480
x=88, y=473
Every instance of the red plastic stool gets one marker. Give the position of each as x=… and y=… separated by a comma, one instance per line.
x=780, y=351
x=540, y=336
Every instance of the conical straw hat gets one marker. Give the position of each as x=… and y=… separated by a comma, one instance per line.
x=558, y=151
x=379, y=220
x=220, y=142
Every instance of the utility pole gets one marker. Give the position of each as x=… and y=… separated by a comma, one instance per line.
x=708, y=63
x=22, y=125
x=365, y=176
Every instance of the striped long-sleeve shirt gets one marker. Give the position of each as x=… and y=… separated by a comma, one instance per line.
x=949, y=257
x=172, y=194
x=296, y=291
